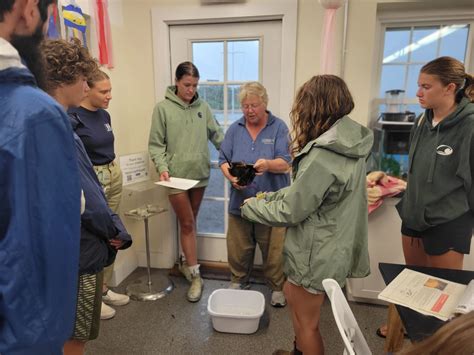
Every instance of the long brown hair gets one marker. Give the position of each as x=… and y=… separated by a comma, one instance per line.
x=319, y=103
x=456, y=337
x=450, y=70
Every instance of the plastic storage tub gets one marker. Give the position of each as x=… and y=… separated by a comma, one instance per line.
x=236, y=311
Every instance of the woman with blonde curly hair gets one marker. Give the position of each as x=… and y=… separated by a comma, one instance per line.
x=325, y=209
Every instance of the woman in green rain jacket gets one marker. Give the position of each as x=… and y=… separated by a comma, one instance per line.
x=325, y=209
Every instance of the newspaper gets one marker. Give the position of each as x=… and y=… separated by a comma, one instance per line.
x=429, y=295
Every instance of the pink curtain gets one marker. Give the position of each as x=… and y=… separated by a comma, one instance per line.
x=104, y=35
x=327, y=45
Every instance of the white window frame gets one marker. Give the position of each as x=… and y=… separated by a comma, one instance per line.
x=387, y=19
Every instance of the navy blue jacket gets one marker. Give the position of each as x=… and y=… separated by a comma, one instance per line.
x=98, y=222
x=39, y=215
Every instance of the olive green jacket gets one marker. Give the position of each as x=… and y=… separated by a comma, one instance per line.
x=325, y=208
x=179, y=135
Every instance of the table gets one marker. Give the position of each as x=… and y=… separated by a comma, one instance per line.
x=149, y=287
x=417, y=325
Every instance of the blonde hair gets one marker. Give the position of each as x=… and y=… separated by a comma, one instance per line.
x=456, y=337
x=319, y=103
x=253, y=88
x=96, y=76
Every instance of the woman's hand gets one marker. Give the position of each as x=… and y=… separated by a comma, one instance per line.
x=116, y=243
x=164, y=176
x=261, y=165
x=233, y=179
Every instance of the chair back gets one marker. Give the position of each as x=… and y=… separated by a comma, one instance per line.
x=354, y=341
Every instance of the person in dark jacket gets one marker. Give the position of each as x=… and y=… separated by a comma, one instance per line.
x=102, y=232
x=437, y=207
x=39, y=194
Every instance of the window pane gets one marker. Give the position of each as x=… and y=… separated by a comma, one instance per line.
x=425, y=43
x=233, y=103
x=393, y=77
x=396, y=40
x=454, y=41
x=211, y=217
x=219, y=115
x=214, y=154
x=216, y=184
x=242, y=60
x=412, y=80
x=213, y=95
x=209, y=70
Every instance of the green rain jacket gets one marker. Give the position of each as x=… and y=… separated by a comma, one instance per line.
x=441, y=169
x=179, y=134
x=325, y=208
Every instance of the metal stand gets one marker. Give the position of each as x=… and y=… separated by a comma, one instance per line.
x=150, y=287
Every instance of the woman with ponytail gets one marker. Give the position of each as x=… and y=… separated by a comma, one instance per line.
x=436, y=210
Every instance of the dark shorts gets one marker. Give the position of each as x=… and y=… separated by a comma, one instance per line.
x=453, y=235
x=89, y=302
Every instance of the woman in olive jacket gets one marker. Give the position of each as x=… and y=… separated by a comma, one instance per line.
x=325, y=209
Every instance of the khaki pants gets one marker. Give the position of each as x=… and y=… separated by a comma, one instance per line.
x=242, y=238
x=110, y=178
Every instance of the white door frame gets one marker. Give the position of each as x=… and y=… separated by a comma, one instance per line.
x=285, y=10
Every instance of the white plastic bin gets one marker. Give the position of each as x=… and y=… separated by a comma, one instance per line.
x=236, y=311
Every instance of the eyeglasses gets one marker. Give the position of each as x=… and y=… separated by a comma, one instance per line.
x=251, y=106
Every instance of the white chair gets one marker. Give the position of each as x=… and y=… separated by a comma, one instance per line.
x=354, y=341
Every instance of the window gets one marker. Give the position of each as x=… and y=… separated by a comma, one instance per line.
x=223, y=65
x=407, y=48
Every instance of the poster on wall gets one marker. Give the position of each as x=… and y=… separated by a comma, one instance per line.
x=134, y=168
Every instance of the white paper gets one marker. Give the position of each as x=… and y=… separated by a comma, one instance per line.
x=466, y=303
x=178, y=183
x=424, y=293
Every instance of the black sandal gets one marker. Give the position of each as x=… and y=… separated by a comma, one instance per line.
x=381, y=335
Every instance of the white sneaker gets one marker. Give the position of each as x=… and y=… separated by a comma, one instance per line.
x=115, y=299
x=106, y=312
x=278, y=299
x=195, y=290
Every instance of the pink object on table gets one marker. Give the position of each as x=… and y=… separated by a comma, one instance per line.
x=387, y=186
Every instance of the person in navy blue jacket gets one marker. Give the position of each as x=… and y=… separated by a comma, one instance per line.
x=39, y=194
x=102, y=232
